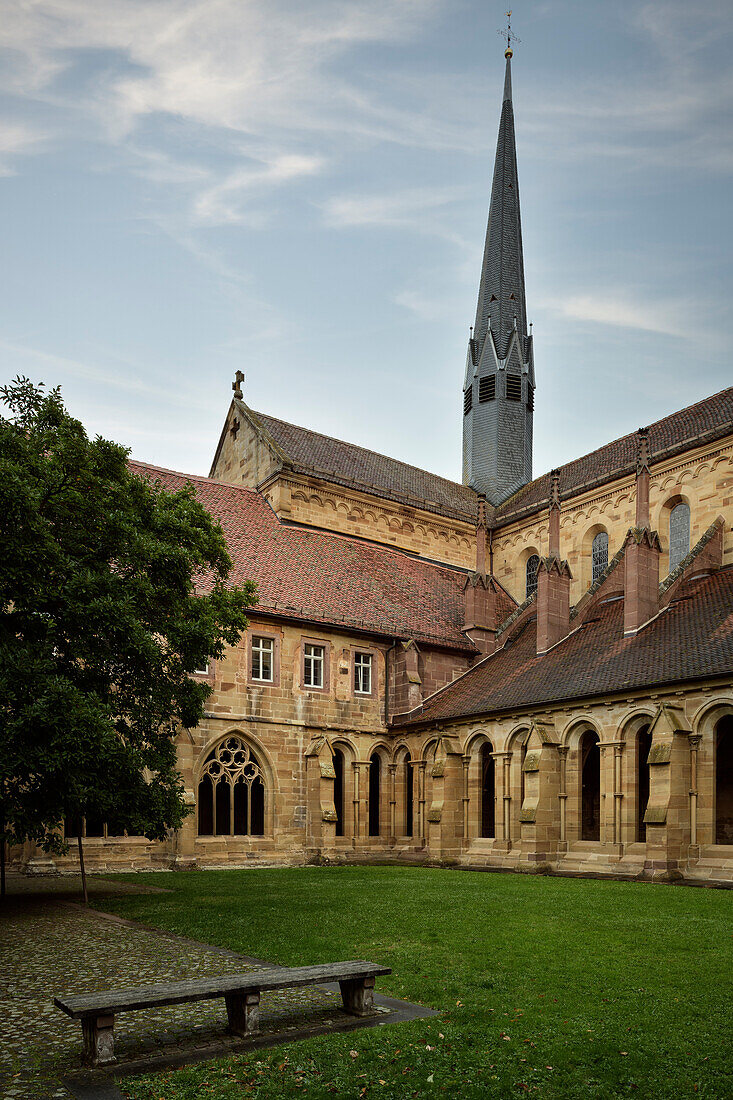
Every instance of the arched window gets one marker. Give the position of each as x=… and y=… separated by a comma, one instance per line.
x=338, y=790
x=488, y=820
x=679, y=534
x=590, y=787
x=533, y=562
x=724, y=781
x=231, y=792
x=408, y=795
x=599, y=553
x=643, y=744
x=375, y=777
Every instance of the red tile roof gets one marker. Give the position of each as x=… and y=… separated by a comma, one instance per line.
x=707, y=419
x=330, y=578
x=346, y=464
x=691, y=639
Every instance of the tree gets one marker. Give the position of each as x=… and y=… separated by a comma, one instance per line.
x=112, y=592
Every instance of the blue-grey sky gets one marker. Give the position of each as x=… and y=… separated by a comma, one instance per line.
x=299, y=189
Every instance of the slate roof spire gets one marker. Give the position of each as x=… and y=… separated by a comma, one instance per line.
x=498, y=398
x=501, y=295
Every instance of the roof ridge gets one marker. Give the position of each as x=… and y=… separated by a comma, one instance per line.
x=367, y=450
x=516, y=497
x=193, y=477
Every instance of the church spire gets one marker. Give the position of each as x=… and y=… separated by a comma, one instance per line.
x=499, y=384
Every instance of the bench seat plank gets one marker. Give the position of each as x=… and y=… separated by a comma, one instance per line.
x=200, y=989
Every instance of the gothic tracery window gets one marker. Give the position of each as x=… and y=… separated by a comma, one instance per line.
x=231, y=791
x=679, y=534
x=533, y=562
x=599, y=553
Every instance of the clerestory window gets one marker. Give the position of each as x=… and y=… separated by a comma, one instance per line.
x=599, y=551
x=679, y=534
x=533, y=562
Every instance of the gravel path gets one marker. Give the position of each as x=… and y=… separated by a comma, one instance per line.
x=49, y=946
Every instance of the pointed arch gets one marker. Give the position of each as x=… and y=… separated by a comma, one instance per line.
x=233, y=797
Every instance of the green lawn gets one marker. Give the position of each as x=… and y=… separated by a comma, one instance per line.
x=546, y=987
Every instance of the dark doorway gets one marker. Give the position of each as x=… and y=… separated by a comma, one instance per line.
x=488, y=819
x=643, y=744
x=375, y=776
x=590, y=793
x=338, y=790
x=408, y=795
x=724, y=781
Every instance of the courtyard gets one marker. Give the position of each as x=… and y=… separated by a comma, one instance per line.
x=546, y=987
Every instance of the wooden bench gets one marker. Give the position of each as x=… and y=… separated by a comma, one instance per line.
x=240, y=991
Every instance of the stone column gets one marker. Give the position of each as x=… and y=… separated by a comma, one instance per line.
x=502, y=761
x=562, y=752
x=421, y=765
x=466, y=800
x=357, y=824
x=392, y=769
x=694, y=850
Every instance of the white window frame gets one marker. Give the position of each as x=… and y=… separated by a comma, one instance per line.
x=203, y=671
x=314, y=661
x=362, y=664
x=262, y=645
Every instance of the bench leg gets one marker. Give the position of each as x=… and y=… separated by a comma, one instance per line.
x=243, y=1010
x=99, y=1043
x=358, y=996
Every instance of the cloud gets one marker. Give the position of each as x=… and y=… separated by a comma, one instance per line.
x=225, y=203
x=621, y=311
x=17, y=139
x=670, y=111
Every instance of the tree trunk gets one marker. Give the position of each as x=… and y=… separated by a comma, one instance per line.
x=2, y=854
x=83, y=871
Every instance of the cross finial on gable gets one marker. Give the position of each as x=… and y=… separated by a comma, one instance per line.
x=237, y=384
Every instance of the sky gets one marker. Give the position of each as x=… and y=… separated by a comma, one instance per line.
x=298, y=189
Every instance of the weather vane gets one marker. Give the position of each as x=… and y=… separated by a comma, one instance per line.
x=509, y=35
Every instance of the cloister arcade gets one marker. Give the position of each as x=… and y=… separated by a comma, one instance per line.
x=586, y=793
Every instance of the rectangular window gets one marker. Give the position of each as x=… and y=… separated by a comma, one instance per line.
x=363, y=673
x=468, y=401
x=313, y=661
x=513, y=387
x=202, y=671
x=263, y=650
x=487, y=388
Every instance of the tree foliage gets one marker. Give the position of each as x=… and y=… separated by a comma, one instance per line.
x=112, y=592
